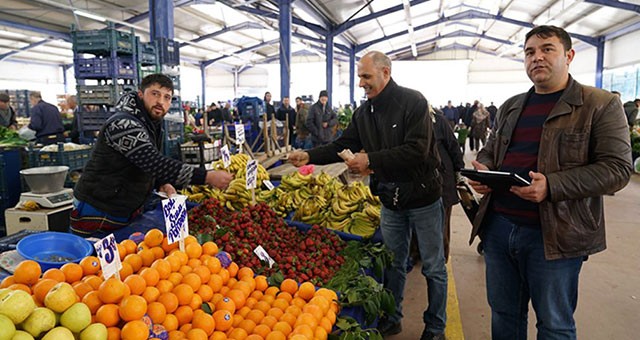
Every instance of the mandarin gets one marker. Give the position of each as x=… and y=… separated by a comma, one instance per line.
x=135, y=330
x=112, y=290
x=27, y=272
x=153, y=237
x=132, y=307
x=157, y=312
x=90, y=265
x=223, y=320
x=108, y=315
x=55, y=274
x=170, y=301
x=72, y=272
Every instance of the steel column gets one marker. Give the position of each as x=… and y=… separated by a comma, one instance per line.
x=599, y=61
x=352, y=76
x=284, y=26
x=329, y=54
x=203, y=76
x=161, y=19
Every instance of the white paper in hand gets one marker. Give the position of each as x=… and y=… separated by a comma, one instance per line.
x=107, y=252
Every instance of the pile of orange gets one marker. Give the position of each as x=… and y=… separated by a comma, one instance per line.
x=171, y=288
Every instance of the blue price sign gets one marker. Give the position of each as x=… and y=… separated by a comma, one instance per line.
x=176, y=222
x=107, y=252
x=252, y=174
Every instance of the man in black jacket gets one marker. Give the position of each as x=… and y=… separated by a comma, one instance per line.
x=400, y=153
x=7, y=114
x=127, y=163
x=285, y=110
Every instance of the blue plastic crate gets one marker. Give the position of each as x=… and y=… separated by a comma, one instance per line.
x=168, y=52
x=74, y=159
x=92, y=68
x=10, y=184
x=103, y=41
x=92, y=121
x=147, y=53
x=102, y=94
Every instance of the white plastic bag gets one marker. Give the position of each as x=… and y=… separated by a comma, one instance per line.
x=26, y=133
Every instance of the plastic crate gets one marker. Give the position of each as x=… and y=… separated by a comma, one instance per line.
x=92, y=121
x=144, y=71
x=19, y=100
x=168, y=52
x=74, y=159
x=176, y=82
x=176, y=103
x=91, y=68
x=171, y=147
x=147, y=53
x=103, y=41
x=102, y=94
x=190, y=153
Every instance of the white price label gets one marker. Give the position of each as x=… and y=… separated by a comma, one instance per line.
x=226, y=156
x=268, y=184
x=264, y=256
x=252, y=174
x=176, y=222
x=239, y=134
x=107, y=251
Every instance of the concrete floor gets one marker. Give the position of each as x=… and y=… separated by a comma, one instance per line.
x=609, y=296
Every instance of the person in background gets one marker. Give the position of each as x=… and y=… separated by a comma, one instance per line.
x=127, y=163
x=268, y=107
x=479, y=124
x=631, y=111
x=7, y=114
x=451, y=113
x=303, y=137
x=321, y=120
x=226, y=113
x=492, y=113
x=392, y=139
x=45, y=120
x=285, y=110
x=572, y=142
x=198, y=117
x=215, y=115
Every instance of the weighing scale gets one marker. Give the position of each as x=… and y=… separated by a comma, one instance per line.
x=50, y=200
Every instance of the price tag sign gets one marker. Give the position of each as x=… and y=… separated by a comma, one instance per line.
x=226, y=156
x=239, y=134
x=176, y=222
x=252, y=174
x=268, y=184
x=264, y=256
x=107, y=252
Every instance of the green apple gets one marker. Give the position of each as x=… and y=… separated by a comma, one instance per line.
x=40, y=321
x=7, y=328
x=76, y=318
x=58, y=333
x=4, y=291
x=60, y=297
x=95, y=331
x=17, y=305
x=22, y=335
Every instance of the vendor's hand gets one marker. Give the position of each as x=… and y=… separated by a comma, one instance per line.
x=477, y=186
x=536, y=192
x=359, y=164
x=299, y=158
x=218, y=179
x=168, y=189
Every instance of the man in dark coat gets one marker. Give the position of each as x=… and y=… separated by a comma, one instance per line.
x=46, y=120
x=321, y=120
x=286, y=110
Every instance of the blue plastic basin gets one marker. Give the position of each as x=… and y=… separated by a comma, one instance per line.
x=53, y=249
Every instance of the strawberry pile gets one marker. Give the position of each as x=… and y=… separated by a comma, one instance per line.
x=303, y=256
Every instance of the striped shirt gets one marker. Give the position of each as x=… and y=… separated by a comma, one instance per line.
x=522, y=157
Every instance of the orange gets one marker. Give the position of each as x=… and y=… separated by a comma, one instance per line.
x=327, y=293
x=177, y=335
x=273, y=291
x=184, y=314
x=126, y=270
x=55, y=274
x=284, y=296
x=297, y=301
x=254, y=337
x=170, y=301
x=320, y=333
x=190, y=239
x=262, y=330
x=72, y=272
x=135, y=330
x=261, y=283
x=313, y=310
x=196, y=302
x=275, y=312
x=326, y=324
x=193, y=280
x=237, y=296
x=321, y=302
x=113, y=333
x=280, y=303
x=276, y=335
x=215, y=282
x=185, y=328
x=217, y=335
x=158, y=253
x=122, y=251
x=147, y=257
x=243, y=311
x=205, y=292
x=108, y=315
x=305, y=330
x=306, y=319
x=299, y=337
x=256, y=316
x=163, y=267
x=111, y=290
x=269, y=321
x=175, y=278
x=185, y=269
x=92, y=301
x=136, y=283
x=27, y=272
x=150, y=276
x=193, y=250
x=210, y=248
x=184, y=292
x=82, y=288
x=214, y=265
x=238, y=334
x=233, y=269
x=289, y=285
x=132, y=307
x=203, y=272
x=151, y=294
x=194, y=263
x=223, y=320
x=90, y=265
x=306, y=290
x=41, y=288
x=256, y=294
x=262, y=306
x=130, y=246
x=288, y=318
x=168, y=247
x=331, y=315
x=244, y=287
x=157, y=312
x=93, y=280
x=205, y=322
x=170, y=323
x=164, y=286
x=283, y=327
x=237, y=319
x=226, y=304
x=153, y=237
x=174, y=262
x=184, y=258
x=134, y=260
x=244, y=271
x=197, y=334
x=293, y=309
x=20, y=286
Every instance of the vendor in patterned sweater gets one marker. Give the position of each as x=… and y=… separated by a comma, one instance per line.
x=127, y=163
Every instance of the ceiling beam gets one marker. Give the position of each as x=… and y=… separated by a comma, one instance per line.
x=246, y=49
x=241, y=26
x=50, y=33
x=455, y=34
x=459, y=47
x=349, y=24
x=22, y=49
x=616, y=4
x=273, y=15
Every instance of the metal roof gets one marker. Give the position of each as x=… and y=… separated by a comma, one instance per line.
x=236, y=33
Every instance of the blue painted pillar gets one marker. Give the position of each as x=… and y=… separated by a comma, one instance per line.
x=161, y=19
x=352, y=76
x=64, y=78
x=599, y=61
x=329, y=54
x=284, y=25
x=203, y=76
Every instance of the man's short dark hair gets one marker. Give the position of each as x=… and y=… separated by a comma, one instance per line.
x=4, y=98
x=637, y=100
x=298, y=98
x=547, y=31
x=156, y=78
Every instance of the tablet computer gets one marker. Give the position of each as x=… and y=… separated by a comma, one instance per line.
x=495, y=179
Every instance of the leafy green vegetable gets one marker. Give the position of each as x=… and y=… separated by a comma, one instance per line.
x=350, y=329
x=10, y=137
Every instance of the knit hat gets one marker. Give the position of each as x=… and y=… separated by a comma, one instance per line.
x=323, y=93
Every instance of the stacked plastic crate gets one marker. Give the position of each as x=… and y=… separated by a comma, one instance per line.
x=105, y=70
x=19, y=100
x=169, y=57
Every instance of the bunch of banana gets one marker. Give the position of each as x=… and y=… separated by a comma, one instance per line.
x=361, y=225
x=295, y=180
x=236, y=196
x=198, y=193
x=310, y=210
x=238, y=167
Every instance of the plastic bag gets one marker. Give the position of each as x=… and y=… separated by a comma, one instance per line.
x=26, y=133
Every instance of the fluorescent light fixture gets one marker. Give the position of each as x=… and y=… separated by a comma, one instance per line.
x=89, y=15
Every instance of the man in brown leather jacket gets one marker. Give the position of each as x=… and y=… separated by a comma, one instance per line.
x=572, y=142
